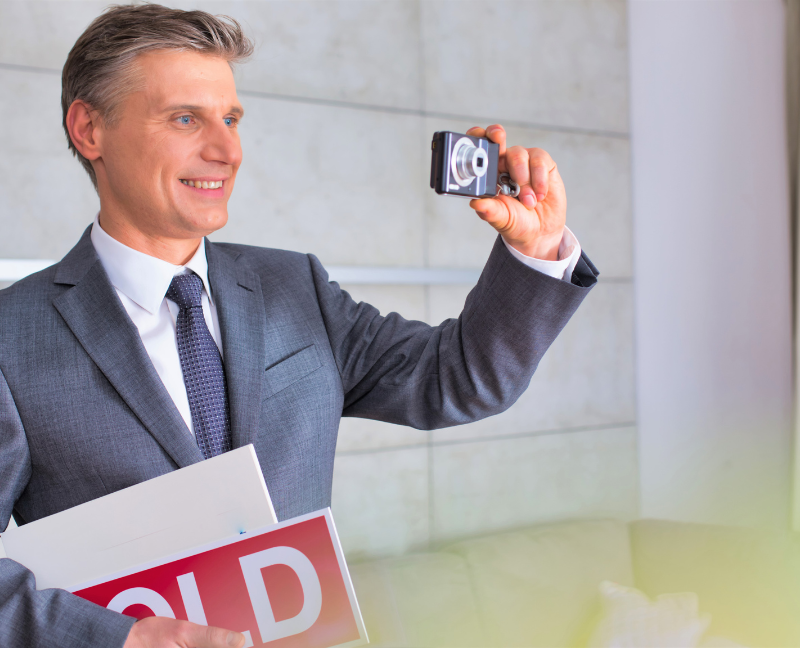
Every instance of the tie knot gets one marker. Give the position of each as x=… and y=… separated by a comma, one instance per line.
x=186, y=290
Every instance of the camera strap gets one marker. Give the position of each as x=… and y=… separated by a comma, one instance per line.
x=506, y=186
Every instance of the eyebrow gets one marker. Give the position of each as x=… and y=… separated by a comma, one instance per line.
x=236, y=110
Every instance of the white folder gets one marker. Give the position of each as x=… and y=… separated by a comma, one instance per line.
x=193, y=506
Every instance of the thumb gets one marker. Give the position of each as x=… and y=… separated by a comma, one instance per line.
x=210, y=637
x=494, y=211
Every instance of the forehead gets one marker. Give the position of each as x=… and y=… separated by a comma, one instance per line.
x=169, y=75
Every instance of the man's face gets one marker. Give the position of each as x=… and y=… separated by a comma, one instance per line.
x=179, y=130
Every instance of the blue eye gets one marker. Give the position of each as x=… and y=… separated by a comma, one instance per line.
x=185, y=120
x=229, y=121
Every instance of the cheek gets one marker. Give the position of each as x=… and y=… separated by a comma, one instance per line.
x=168, y=161
x=122, y=157
x=139, y=168
x=140, y=150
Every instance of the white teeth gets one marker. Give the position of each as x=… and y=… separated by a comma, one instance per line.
x=203, y=184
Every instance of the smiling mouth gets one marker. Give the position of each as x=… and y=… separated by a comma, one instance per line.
x=203, y=184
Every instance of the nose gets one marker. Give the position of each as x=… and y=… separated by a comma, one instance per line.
x=222, y=144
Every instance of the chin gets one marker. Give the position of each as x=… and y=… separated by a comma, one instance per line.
x=204, y=226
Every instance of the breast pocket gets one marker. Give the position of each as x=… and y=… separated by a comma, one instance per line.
x=289, y=370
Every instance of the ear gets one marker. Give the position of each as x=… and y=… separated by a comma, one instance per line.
x=83, y=124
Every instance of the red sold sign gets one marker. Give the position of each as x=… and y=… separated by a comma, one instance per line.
x=285, y=585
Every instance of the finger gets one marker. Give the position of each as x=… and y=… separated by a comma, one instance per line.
x=476, y=131
x=541, y=165
x=497, y=134
x=518, y=166
x=200, y=636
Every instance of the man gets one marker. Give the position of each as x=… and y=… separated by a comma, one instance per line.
x=147, y=348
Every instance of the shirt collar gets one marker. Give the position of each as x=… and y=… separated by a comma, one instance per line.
x=139, y=276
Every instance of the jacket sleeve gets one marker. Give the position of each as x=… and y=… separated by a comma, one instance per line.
x=31, y=618
x=463, y=370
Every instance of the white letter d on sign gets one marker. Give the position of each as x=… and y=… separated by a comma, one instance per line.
x=269, y=628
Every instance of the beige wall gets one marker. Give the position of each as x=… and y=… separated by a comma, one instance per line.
x=341, y=101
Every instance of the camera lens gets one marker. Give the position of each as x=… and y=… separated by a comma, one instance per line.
x=470, y=162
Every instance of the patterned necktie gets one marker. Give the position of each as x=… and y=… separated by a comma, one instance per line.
x=201, y=363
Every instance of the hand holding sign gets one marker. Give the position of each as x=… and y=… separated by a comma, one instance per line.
x=160, y=632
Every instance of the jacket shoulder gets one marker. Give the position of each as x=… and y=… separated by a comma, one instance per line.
x=261, y=259
x=39, y=286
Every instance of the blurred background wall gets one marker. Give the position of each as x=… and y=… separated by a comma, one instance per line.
x=342, y=97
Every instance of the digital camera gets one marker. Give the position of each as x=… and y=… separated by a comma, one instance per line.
x=462, y=165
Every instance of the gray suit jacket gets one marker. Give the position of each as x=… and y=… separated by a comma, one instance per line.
x=83, y=412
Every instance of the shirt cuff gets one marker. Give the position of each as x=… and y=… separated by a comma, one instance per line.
x=569, y=252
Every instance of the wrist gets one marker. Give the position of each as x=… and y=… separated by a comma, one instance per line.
x=544, y=248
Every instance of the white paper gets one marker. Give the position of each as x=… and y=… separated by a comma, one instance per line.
x=202, y=503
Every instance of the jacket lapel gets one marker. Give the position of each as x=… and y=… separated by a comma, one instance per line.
x=94, y=314
x=238, y=297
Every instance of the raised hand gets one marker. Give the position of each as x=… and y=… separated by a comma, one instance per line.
x=534, y=222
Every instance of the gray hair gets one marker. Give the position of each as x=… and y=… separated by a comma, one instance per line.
x=101, y=67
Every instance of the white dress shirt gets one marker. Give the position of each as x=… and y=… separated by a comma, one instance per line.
x=142, y=281
x=569, y=252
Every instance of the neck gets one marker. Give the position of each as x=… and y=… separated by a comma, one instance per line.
x=177, y=251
